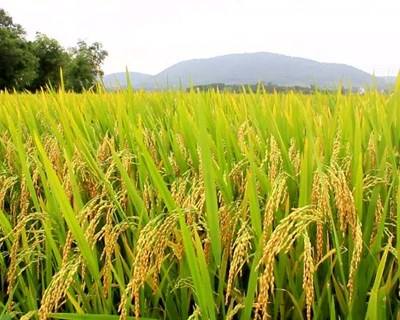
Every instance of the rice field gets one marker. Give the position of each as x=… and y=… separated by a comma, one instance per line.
x=186, y=205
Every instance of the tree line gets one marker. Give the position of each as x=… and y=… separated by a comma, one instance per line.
x=271, y=88
x=35, y=65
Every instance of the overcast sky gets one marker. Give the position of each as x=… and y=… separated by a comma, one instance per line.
x=149, y=35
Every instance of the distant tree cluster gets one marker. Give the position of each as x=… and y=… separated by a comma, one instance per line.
x=261, y=86
x=33, y=65
x=269, y=88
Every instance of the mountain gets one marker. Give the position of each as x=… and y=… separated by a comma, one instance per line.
x=251, y=68
x=388, y=81
x=118, y=80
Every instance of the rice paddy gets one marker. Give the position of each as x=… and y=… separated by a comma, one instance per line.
x=187, y=205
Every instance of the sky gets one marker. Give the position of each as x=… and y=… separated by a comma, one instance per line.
x=148, y=36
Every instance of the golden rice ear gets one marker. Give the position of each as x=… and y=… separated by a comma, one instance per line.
x=153, y=241
x=355, y=258
x=348, y=220
x=67, y=248
x=294, y=157
x=111, y=235
x=24, y=198
x=308, y=274
x=29, y=315
x=104, y=149
x=6, y=183
x=371, y=149
x=54, y=294
x=241, y=249
x=242, y=135
x=10, y=154
x=336, y=148
x=231, y=313
x=320, y=199
x=276, y=197
x=275, y=160
x=281, y=240
x=344, y=199
x=377, y=219
x=12, y=268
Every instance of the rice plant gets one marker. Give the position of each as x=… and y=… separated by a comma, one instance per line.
x=188, y=205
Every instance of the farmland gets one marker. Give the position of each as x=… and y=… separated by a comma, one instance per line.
x=186, y=205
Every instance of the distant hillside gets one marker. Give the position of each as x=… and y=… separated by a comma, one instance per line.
x=118, y=80
x=387, y=81
x=251, y=68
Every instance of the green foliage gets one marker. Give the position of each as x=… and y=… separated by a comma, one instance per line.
x=36, y=65
x=6, y=22
x=83, y=71
x=17, y=63
x=210, y=205
x=52, y=57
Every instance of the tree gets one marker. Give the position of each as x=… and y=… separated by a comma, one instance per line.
x=7, y=22
x=51, y=58
x=34, y=65
x=17, y=62
x=84, y=69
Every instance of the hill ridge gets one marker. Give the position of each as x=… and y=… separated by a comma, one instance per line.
x=252, y=68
